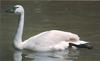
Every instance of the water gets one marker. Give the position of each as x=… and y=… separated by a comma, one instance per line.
x=82, y=18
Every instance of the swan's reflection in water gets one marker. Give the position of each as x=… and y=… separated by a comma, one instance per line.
x=17, y=56
x=69, y=55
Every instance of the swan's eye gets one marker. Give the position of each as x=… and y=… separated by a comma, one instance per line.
x=17, y=7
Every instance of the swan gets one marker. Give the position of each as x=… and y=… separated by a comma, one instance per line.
x=47, y=40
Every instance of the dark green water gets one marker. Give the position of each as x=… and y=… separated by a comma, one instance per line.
x=82, y=18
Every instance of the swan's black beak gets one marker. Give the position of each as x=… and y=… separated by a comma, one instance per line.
x=10, y=10
x=87, y=45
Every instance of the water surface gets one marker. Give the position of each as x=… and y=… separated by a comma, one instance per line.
x=82, y=18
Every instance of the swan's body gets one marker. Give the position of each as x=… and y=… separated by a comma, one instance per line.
x=48, y=40
x=45, y=41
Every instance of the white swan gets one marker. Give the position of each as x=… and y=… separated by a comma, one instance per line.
x=45, y=41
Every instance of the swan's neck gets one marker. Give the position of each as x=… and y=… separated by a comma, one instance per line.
x=18, y=35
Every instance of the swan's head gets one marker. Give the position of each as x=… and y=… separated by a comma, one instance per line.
x=17, y=9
